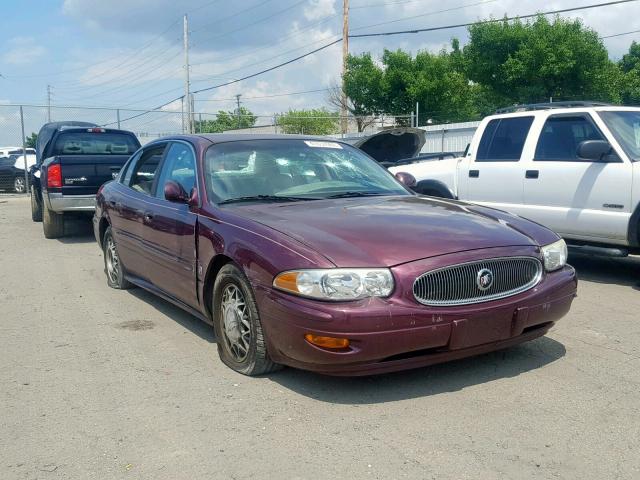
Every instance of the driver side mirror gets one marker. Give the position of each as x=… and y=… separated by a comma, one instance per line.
x=596, y=150
x=406, y=179
x=174, y=192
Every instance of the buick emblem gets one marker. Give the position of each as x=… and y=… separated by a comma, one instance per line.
x=484, y=279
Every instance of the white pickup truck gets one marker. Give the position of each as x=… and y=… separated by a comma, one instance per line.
x=574, y=167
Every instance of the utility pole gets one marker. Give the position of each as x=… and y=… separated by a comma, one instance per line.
x=187, y=95
x=345, y=53
x=238, y=108
x=48, y=103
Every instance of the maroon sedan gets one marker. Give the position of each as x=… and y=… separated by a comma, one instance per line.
x=305, y=252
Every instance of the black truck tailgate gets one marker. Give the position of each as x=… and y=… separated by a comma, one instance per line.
x=83, y=175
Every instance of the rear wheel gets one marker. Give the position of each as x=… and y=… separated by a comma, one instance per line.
x=19, y=185
x=36, y=206
x=112, y=264
x=52, y=223
x=241, y=342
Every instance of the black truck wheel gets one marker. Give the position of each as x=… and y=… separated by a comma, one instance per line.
x=36, y=206
x=52, y=223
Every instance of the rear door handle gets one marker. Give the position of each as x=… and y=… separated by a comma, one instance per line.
x=474, y=173
x=531, y=174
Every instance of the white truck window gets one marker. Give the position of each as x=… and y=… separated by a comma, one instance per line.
x=503, y=139
x=561, y=136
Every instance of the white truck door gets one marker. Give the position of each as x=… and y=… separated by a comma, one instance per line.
x=494, y=174
x=578, y=198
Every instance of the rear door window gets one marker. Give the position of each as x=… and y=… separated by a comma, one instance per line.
x=503, y=139
x=90, y=143
x=561, y=136
x=141, y=176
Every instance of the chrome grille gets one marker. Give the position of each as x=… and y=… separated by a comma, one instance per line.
x=458, y=284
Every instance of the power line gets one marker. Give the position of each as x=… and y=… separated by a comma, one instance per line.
x=504, y=19
x=426, y=14
x=300, y=57
x=287, y=94
x=138, y=50
x=428, y=29
x=621, y=34
x=228, y=17
x=279, y=12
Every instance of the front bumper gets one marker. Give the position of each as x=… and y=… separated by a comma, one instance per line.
x=394, y=334
x=70, y=203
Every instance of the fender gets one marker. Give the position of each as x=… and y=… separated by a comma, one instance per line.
x=434, y=185
x=633, y=232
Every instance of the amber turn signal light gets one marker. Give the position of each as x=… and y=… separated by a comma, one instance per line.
x=326, y=342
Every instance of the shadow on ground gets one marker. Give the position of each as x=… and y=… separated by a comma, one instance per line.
x=617, y=271
x=434, y=380
x=188, y=321
x=77, y=230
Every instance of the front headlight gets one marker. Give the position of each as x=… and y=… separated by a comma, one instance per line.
x=337, y=284
x=555, y=255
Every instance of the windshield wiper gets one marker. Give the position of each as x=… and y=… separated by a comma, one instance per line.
x=265, y=198
x=356, y=194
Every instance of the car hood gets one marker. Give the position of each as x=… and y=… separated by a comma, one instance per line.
x=391, y=145
x=387, y=231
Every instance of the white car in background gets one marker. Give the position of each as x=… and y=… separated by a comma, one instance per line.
x=573, y=167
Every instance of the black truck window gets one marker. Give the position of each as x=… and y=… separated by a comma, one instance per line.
x=90, y=143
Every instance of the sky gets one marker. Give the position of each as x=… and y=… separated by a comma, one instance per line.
x=129, y=53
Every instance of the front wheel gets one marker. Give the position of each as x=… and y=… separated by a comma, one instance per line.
x=19, y=185
x=241, y=342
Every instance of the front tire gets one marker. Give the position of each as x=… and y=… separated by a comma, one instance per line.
x=241, y=342
x=36, y=206
x=112, y=264
x=52, y=223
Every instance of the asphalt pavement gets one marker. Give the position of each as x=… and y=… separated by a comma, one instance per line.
x=105, y=384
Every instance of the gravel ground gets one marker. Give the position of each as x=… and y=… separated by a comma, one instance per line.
x=105, y=384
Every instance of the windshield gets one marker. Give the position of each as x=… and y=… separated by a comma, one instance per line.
x=90, y=143
x=265, y=170
x=625, y=127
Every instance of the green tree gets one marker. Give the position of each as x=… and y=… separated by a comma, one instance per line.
x=631, y=61
x=531, y=62
x=227, y=120
x=317, y=121
x=436, y=81
x=31, y=140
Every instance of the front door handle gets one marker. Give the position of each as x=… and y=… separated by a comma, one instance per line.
x=474, y=173
x=531, y=174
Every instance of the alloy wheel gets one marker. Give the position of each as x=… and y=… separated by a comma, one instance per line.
x=113, y=261
x=19, y=185
x=237, y=328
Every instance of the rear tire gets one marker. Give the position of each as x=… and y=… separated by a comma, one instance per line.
x=36, y=206
x=52, y=223
x=241, y=342
x=113, y=267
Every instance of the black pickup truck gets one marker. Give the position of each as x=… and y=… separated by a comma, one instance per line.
x=73, y=159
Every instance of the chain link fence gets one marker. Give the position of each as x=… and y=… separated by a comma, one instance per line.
x=19, y=122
